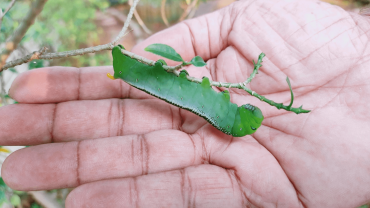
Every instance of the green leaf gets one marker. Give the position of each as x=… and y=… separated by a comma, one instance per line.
x=3, y=188
x=15, y=200
x=34, y=205
x=165, y=51
x=2, y=183
x=13, y=70
x=37, y=63
x=19, y=192
x=198, y=61
x=2, y=196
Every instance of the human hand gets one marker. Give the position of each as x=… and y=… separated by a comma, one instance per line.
x=142, y=151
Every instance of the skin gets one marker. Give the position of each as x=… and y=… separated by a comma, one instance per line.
x=143, y=152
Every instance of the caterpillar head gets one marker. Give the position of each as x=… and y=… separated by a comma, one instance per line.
x=247, y=120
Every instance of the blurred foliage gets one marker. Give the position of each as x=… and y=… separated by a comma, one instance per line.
x=35, y=205
x=61, y=26
x=155, y=3
x=117, y=2
x=3, y=190
x=9, y=196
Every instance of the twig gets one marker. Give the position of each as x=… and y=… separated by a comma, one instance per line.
x=122, y=18
x=291, y=93
x=127, y=23
x=25, y=59
x=255, y=69
x=6, y=11
x=277, y=105
x=19, y=33
x=77, y=52
x=139, y=20
x=188, y=9
x=163, y=13
x=3, y=91
x=192, y=13
x=174, y=69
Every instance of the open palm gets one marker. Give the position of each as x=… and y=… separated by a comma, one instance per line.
x=141, y=151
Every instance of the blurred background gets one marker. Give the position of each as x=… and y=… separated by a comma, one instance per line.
x=63, y=26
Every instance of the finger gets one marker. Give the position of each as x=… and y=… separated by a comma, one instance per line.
x=76, y=163
x=205, y=36
x=31, y=124
x=59, y=84
x=318, y=160
x=71, y=164
x=201, y=186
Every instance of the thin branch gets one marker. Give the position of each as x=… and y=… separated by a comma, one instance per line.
x=118, y=15
x=7, y=9
x=163, y=13
x=291, y=93
x=191, y=14
x=2, y=14
x=3, y=91
x=77, y=52
x=188, y=9
x=139, y=20
x=19, y=33
x=255, y=69
x=127, y=23
x=272, y=103
x=25, y=59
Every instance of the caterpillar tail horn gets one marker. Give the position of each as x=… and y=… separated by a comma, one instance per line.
x=110, y=76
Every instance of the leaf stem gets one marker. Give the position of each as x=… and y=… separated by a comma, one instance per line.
x=291, y=93
x=255, y=69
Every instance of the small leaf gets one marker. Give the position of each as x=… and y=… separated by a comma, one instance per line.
x=2, y=183
x=163, y=62
x=165, y=51
x=15, y=200
x=18, y=192
x=36, y=63
x=13, y=70
x=198, y=61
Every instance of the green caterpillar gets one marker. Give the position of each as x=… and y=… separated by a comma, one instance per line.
x=198, y=98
